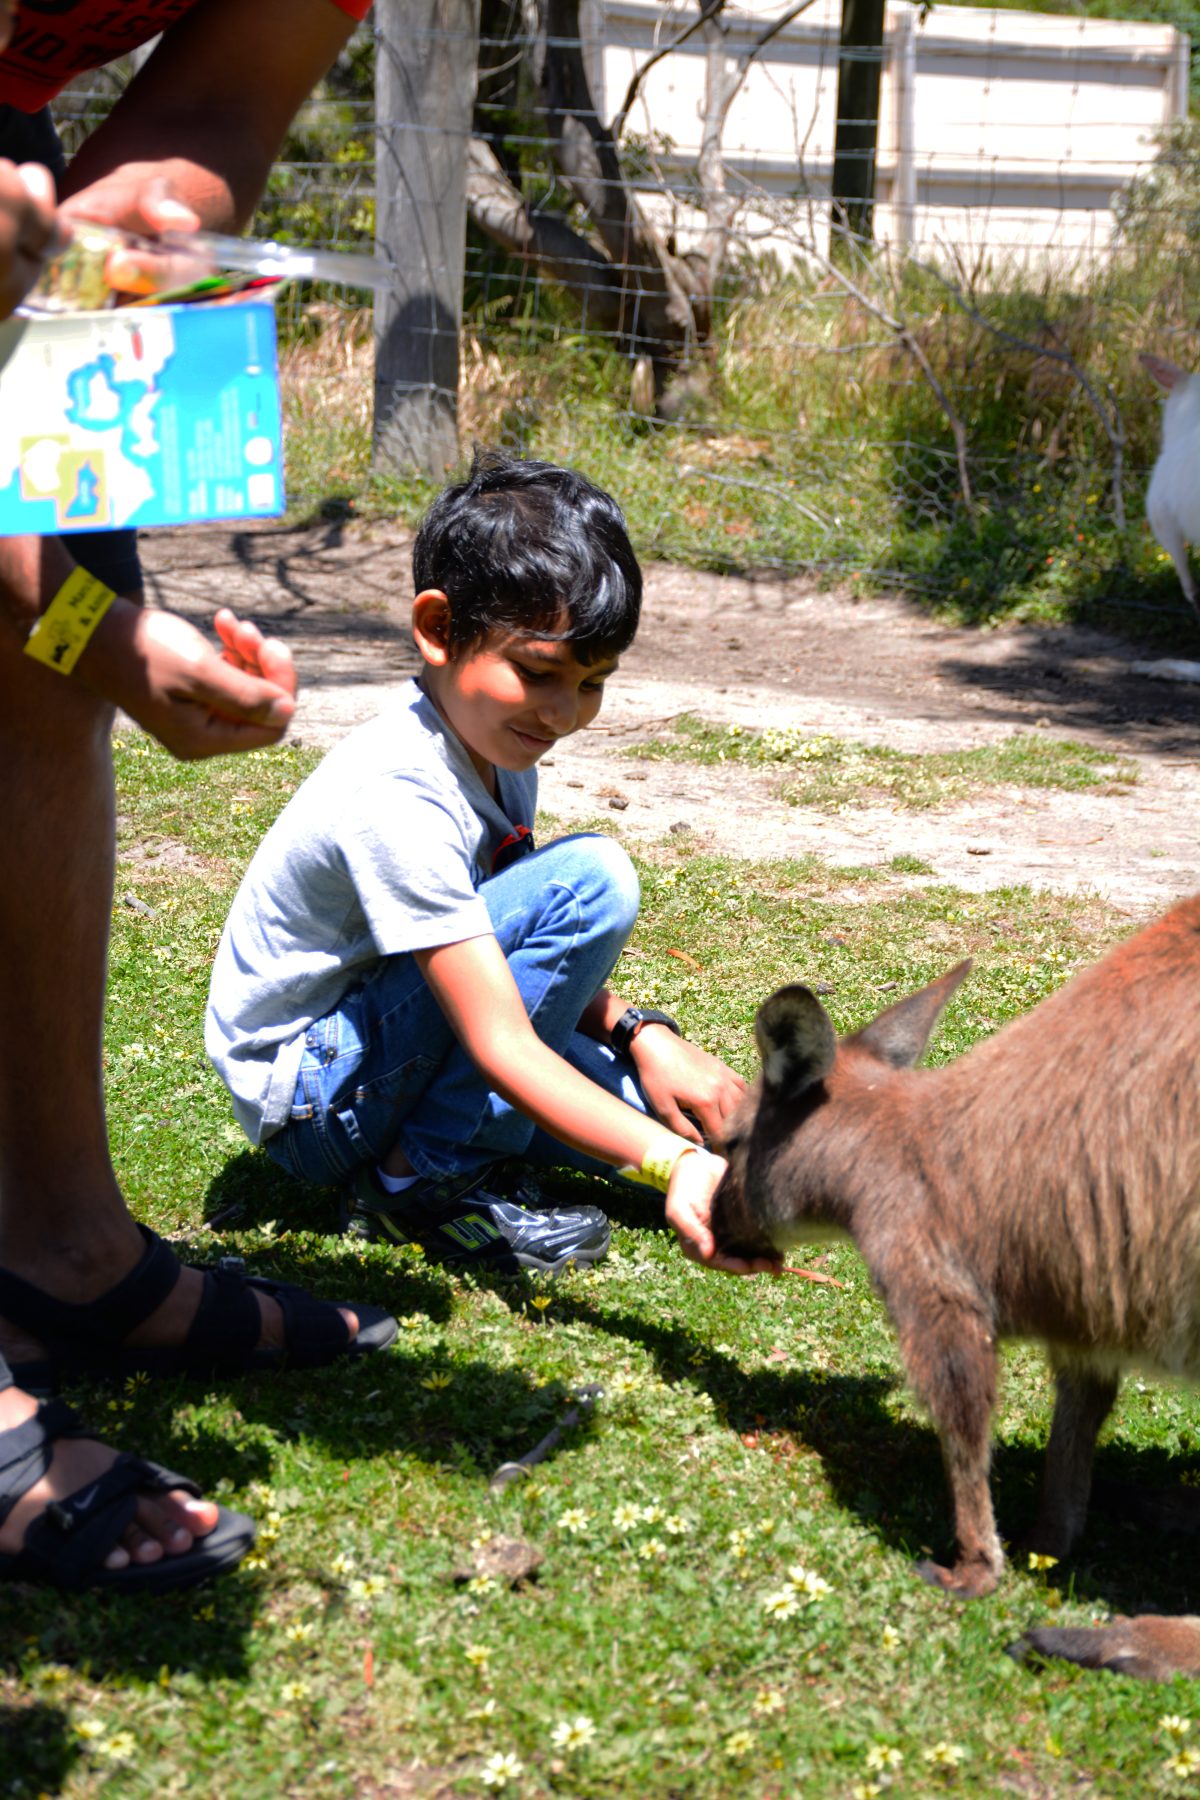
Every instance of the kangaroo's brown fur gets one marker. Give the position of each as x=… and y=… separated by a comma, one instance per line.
x=1046, y=1186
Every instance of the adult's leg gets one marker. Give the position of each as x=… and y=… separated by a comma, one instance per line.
x=64, y=1225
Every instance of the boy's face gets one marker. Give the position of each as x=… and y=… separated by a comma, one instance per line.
x=511, y=698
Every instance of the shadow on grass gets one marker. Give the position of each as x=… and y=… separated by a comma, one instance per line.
x=885, y=1471
x=37, y=1749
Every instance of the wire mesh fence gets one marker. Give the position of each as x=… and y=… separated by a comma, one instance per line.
x=663, y=282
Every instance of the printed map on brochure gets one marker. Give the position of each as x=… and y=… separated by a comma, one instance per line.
x=139, y=416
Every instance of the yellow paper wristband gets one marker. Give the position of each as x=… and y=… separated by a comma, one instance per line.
x=658, y=1165
x=62, y=633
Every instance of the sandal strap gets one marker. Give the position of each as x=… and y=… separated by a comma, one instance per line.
x=107, y=1320
x=314, y=1331
x=228, y=1321
x=26, y=1450
x=71, y=1537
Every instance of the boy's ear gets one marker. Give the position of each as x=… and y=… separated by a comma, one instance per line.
x=431, y=626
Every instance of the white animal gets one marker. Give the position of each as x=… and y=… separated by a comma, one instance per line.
x=1173, y=497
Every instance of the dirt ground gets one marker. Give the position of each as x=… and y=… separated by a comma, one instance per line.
x=761, y=652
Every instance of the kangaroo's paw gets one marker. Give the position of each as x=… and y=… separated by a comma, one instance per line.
x=1150, y=1647
x=965, y=1581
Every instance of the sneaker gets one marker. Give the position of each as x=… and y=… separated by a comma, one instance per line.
x=463, y=1220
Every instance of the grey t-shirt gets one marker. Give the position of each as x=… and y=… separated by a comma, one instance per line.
x=380, y=851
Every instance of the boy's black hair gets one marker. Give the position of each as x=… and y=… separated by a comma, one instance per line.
x=518, y=544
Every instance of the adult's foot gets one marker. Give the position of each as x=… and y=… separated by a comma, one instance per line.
x=79, y=1275
x=165, y=1525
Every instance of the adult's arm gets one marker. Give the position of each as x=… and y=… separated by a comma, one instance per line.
x=196, y=700
x=200, y=124
x=28, y=229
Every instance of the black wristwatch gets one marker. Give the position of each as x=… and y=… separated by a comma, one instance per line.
x=631, y=1022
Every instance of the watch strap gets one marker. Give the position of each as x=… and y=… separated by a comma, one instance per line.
x=631, y=1022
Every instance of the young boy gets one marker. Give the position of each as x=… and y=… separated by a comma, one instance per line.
x=408, y=994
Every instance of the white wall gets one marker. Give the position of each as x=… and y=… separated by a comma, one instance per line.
x=1002, y=133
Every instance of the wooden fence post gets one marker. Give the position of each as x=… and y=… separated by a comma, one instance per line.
x=425, y=70
x=860, y=64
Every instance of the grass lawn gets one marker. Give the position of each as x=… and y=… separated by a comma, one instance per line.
x=726, y=1604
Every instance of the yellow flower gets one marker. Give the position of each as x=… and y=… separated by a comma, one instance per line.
x=652, y=1514
x=90, y=1729
x=573, y=1734
x=541, y=1301
x=119, y=1747
x=299, y=1631
x=342, y=1564
x=623, y=1384
x=480, y=1584
x=437, y=1381
x=675, y=1526
x=767, y=1701
x=294, y=1692
x=865, y=1790
x=478, y=1655
x=367, y=1587
x=1042, y=1562
x=739, y=1743
x=653, y=1550
x=412, y=1321
x=1174, y=1725
x=884, y=1759
x=889, y=1638
x=574, y=1520
x=626, y=1516
x=782, y=1604
x=1184, y=1765
x=945, y=1756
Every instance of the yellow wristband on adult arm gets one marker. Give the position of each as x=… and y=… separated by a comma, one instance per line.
x=64, y=630
x=658, y=1164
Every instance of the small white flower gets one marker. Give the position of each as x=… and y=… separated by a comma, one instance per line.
x=500, y=1768
x=1174, y=1725
x=653, y=1550
x=782, y=1604
x=810, y=1586
x=676, y=1526
x=573, y=1734
x=626, y=1515
x=574, y=1520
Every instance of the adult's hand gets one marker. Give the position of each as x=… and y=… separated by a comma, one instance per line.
x=694, y=1180
x=683, y=1084
x=195, y=700
x=29, y=229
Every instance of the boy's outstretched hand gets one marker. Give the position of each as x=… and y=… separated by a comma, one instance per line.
x=694, y=1181
x=686, y=1088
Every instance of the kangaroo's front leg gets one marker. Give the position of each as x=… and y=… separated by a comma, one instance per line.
x=951, y=1360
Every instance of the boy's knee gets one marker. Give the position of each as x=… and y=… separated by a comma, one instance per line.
x=609, y=873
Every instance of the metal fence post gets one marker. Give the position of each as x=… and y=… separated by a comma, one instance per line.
x=425, y=72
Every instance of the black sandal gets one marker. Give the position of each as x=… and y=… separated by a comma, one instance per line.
x=65, y=1546
x=88, y=1340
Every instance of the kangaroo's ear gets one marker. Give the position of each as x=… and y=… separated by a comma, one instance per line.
x=899, y=1035
x=796, y=1041
x=1167, y=374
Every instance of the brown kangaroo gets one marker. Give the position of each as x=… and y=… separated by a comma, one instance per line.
x=1046, y=1185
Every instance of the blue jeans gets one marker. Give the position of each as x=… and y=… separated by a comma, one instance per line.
x=384, y=1068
